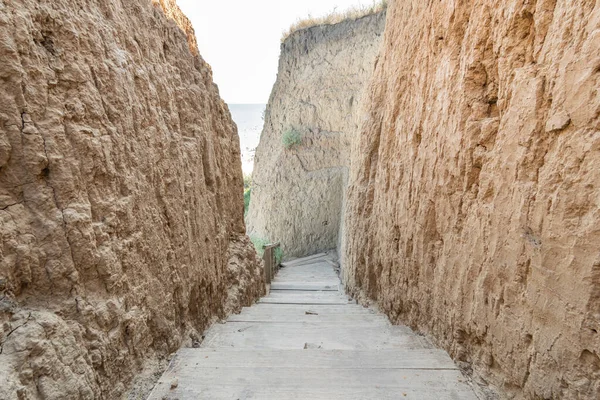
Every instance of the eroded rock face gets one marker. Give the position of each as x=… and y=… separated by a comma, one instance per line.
x=298, y=192
x=121, y=212
x=473, y=209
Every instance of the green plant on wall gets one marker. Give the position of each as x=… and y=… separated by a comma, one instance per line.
x=291, y=138
x=247, y=192
x=278, y=255
x=247, y=195
x=259, y=244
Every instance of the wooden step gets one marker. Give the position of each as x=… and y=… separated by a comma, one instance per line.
x=304, y=260
x=313, y=317
x=249, y=335
x=189, y=388
x=300, y=309
x=298, y=300
x=432, y=359
x=318, y=265
x=308, y=279
x=312, y=374
x=307, y=340
x=308, y=294
x=314, y=286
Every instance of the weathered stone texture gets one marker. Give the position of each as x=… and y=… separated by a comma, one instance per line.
x=298, y=193
x=473, y=207
x=121, y=212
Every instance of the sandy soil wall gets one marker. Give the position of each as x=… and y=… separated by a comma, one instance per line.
x=298, y=192
x=473, y=209
x=121, y=212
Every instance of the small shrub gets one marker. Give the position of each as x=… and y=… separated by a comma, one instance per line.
x=247, y=192
x=247, y=181
x=278, y=255
x=291, y=138
x=259, y=244
x=247, y=195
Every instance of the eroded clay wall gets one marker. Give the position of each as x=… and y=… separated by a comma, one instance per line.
x=121, y=212
x=298, y=192
x=473, y=209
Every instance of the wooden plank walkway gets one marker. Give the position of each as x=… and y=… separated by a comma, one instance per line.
x=307, y=340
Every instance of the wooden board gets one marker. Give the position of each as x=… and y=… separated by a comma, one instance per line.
x=313, y=317
x=332, y=285
x=190, y=389
x=316, y=359
x=312, y=277
x=300, y=335
x=305, y=294
x=317, y=265
x=292, y=382
x=308, y=279
x=304, y=260
x=296, y=300
x=300, y=309
x=320, y=266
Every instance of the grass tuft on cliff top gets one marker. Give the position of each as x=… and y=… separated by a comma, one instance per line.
x=336, y=17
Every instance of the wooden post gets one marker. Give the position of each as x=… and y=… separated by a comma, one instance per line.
x=267, y=260
x=270, y=261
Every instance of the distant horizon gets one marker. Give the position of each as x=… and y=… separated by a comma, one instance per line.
x=249, y=119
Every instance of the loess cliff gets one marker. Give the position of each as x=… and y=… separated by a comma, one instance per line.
x=473, y=205
x=298, y=191
x=121, y=211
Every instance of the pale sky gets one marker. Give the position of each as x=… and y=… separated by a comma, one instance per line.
x=240, y=39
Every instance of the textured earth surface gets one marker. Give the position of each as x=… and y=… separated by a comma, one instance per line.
x=298, y=192
x=473, y=206
x=121, y=212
